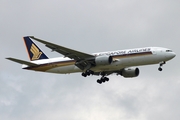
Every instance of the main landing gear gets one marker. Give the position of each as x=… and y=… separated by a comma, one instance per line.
x=87, y=73
x=102, y=80
x=160, y=65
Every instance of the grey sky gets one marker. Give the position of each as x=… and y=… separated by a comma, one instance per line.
x=89, y=26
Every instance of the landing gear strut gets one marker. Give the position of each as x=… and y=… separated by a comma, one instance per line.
x=160, y=65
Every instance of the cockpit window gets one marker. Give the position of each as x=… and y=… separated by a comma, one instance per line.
x=168, y=50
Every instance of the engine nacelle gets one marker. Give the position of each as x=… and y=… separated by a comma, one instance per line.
x=103, y=60
x=130, y=72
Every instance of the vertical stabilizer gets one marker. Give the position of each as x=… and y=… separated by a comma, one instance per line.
x=33, y=50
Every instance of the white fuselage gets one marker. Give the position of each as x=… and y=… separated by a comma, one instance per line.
x=121, y=59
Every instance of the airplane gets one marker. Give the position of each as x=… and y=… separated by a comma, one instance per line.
x=120, y=62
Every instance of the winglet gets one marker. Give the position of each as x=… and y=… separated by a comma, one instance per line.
x=34, y=52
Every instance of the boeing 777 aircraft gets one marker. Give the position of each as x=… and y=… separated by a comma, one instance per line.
x=121, y=62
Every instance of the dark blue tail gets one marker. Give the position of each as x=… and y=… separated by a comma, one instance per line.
x=33, y=50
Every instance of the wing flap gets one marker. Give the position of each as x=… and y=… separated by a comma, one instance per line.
x=22, y=62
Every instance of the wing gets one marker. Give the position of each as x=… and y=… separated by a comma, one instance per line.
x=82, y=59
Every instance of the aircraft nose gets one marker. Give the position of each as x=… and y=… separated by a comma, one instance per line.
x=172, y=55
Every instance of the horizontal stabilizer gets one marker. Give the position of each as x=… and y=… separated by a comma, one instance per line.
x=22, y=62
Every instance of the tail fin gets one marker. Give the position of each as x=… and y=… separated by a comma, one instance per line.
x=33, y=50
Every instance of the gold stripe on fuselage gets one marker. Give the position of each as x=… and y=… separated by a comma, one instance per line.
x=45, y=67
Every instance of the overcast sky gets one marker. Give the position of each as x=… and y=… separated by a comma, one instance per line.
x=89, y=26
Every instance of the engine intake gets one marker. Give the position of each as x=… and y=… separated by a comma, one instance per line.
x=103, y=60
x=130, y=72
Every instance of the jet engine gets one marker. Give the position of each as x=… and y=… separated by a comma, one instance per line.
x=130, y=72
x=103, y=60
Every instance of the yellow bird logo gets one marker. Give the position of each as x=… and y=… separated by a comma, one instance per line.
x=36, y=53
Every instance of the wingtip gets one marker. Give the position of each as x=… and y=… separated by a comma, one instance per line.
x=8, y=58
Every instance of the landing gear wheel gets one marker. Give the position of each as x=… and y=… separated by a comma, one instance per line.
x=83, y=74
x=99, y=81
x=103, y=80
x=88, y=73
x=160, y=69
x=91, y=72
x=106, y=79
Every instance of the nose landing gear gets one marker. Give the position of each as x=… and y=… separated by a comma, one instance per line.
x=160, y=65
